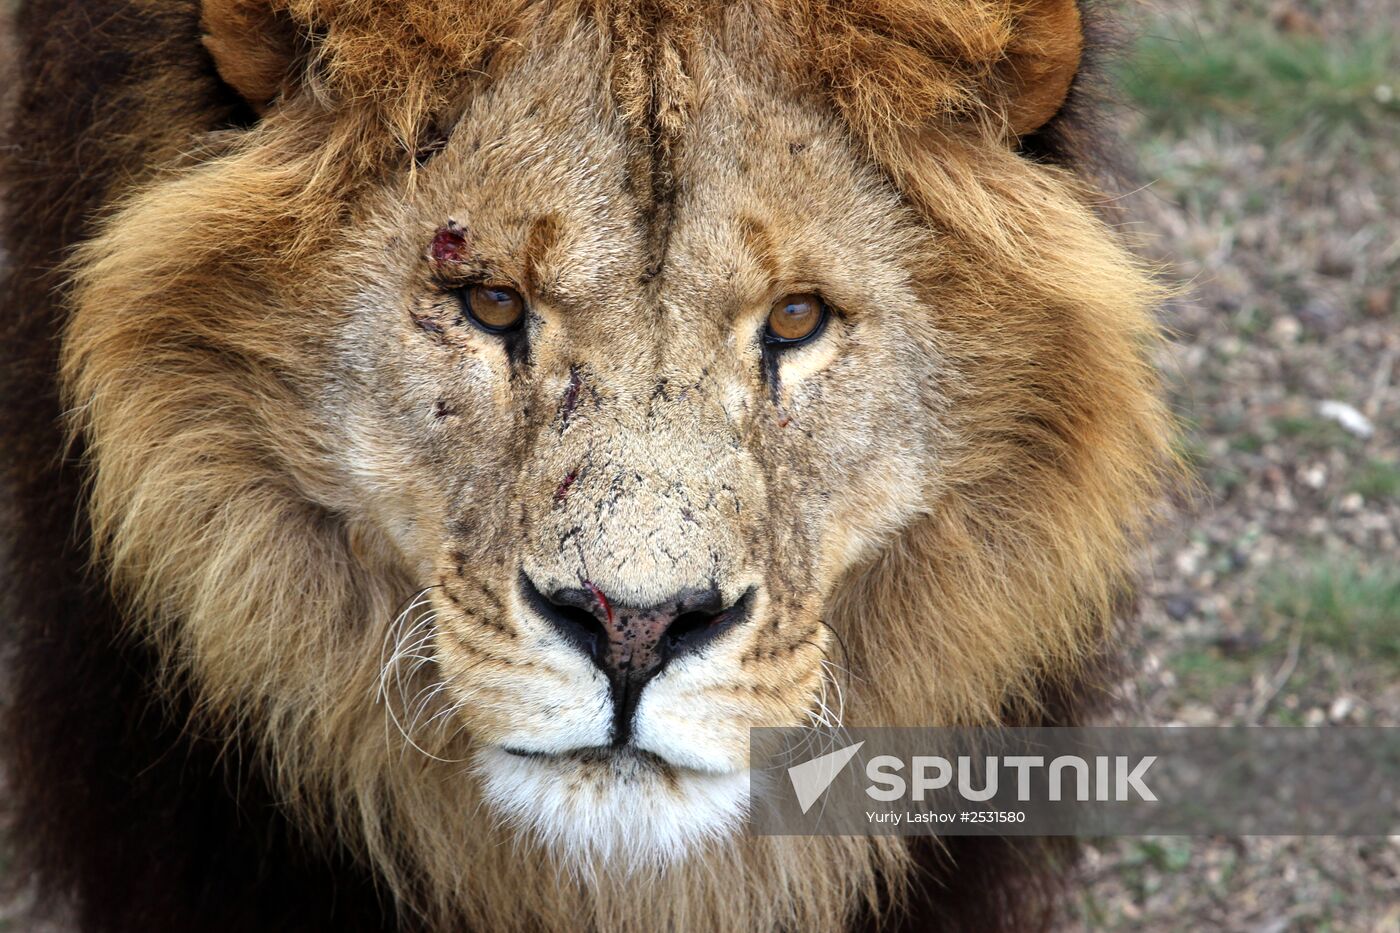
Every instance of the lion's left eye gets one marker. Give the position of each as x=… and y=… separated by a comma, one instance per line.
x=496, y=308
x=795, y=319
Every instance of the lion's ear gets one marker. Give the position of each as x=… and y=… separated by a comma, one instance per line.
x=253, y=47
x=1041, y=62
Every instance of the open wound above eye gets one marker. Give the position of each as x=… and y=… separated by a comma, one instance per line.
x=450, y=244
x=794, y=319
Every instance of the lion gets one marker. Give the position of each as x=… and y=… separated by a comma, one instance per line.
x=438, y=432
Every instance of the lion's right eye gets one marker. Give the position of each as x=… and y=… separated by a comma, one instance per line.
x=495, y=308
x=794, y=319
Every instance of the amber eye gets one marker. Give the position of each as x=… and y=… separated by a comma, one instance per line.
x=495, y=307
x=795, y=318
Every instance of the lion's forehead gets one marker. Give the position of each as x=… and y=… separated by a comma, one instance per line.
x=551, y=185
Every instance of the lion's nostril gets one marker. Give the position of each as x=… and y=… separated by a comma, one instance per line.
x=579, y=625
x=689, y=626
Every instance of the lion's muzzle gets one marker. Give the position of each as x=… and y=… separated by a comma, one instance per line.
x=631, y=644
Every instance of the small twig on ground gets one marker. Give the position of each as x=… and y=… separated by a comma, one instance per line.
x=1379, y=384
x=1279, y=680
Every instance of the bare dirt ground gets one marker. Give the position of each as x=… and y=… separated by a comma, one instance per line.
x=1267, y=135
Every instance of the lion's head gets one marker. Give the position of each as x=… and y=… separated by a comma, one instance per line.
x=538, y=396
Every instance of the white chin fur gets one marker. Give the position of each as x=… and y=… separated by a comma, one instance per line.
x=613, y=812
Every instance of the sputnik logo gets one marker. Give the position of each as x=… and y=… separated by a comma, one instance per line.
x=811, y=778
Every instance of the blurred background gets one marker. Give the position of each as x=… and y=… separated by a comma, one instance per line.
x=1265, y=142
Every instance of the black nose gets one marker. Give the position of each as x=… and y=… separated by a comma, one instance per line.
x=632, y=644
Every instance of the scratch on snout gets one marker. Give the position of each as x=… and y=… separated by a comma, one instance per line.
x=566, y=409
x=602, y=600
x=562, y=492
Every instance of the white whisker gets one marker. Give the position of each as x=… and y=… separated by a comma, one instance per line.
x=405, y=657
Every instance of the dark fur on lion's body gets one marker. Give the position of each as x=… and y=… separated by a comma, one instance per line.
x=118, y=813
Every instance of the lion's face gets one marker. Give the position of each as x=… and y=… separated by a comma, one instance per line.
x=628, y=462
x=706, y=366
